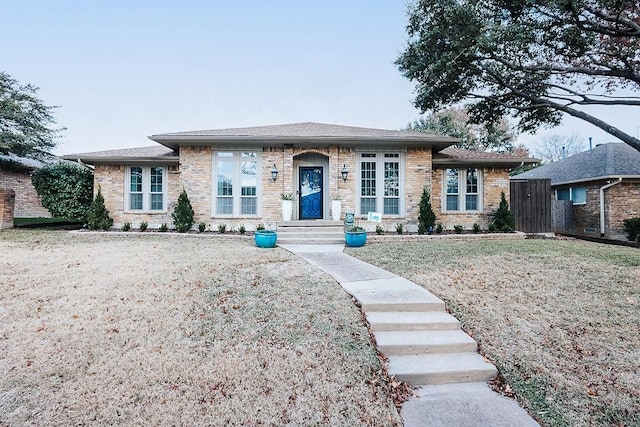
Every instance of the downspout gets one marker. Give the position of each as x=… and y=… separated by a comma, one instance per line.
x=604, y=187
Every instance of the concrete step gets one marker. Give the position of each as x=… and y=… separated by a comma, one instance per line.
x=396, y=343
x=310, y=223
x=391, y=294
x=443, y=368
x=310, y=241
x=311, y=229
x=411, y=321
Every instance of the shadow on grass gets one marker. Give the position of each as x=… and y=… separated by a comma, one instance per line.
x=47, y=223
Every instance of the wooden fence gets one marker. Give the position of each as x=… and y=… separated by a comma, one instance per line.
x=531, y=205
x=562, y=217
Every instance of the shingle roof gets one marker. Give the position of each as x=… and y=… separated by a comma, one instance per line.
x=151, y=153
x=604, y=161
x=452, y=155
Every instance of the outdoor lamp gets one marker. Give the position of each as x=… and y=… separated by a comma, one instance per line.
x=274, y=173
x=344, y=172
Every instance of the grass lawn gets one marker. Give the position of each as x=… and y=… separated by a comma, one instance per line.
x=159, y=330
x=559, y=318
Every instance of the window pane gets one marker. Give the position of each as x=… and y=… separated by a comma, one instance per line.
x=248, y=205
x=563, y=194
x=368, y=178
x=391, y=206
x=224, y=206
x=471, y=202
x=452, y=181
x=225, y=174
x=472, y=181
x=156, y=202
x=392, y=179
x=156, y=180
x=135, y=201
x=136, y=180
x=452, y=203
x=579, y=194
x=367, y=205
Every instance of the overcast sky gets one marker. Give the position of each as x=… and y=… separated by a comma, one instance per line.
x=123, y=70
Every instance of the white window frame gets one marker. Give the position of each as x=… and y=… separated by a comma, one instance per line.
x=146, y=189
x=236, y=180
x=379, y=197
x=462, y=190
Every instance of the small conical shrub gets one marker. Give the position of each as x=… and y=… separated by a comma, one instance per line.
x=504, y=219
x=98, y=217
x=183, y=213
x=426, y=216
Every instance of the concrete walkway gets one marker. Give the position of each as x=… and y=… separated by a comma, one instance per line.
x=445, y=397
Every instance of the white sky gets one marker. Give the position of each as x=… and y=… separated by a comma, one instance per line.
x=122, y=70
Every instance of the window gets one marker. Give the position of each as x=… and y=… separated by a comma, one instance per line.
x=380, y=183
x=462, y=190
x=236, y=189
x=578, y=195
x=147, y=189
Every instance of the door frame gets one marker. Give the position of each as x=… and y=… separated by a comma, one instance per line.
x=322, y=191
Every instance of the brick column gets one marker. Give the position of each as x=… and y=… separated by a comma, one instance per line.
x=7, y=203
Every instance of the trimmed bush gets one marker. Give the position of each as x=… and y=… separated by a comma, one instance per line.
x=66, y=189
x=632, y=228
x=504, y=219
x=426, y=216
x=183, y=213
x=143, y=226
x=98, y=217
x=126, y=226
x=163, y=227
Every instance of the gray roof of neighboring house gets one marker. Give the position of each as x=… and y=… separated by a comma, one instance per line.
x=300, y=133
x=458, y=156
x=152, y=154
x=614, y=159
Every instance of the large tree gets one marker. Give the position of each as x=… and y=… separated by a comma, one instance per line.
x=556, y=147
x=455, y=122
x=25, y=121
x=533, y=60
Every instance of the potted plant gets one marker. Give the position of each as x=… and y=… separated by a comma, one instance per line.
x=336, y=207
x=355, y=236
x=266, y=238
x=287, y=205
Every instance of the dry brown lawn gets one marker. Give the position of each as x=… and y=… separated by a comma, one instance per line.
x=560, y=318
x=159, y=330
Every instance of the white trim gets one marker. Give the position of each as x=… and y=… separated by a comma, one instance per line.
x=379, y=161
x=146, y=190
x=236, y=180
x=462, y=191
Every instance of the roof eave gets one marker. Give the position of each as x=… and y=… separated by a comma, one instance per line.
x=592, y=179
x=484, y=162
x=124, y=160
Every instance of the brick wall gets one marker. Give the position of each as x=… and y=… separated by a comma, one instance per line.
x=622, y=201
x=495, y=180
x=7, y=203
x=27, y=203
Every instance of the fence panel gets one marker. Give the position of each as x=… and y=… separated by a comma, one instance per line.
x=531, y=205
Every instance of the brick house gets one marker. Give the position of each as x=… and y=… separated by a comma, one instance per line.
x=15, y=174
x=603, y=185
x=236, y=176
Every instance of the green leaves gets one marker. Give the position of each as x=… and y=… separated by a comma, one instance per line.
x=183, y=213
x=66, y=189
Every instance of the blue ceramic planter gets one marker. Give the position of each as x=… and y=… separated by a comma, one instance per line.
x=266, y=238
x=355, y=238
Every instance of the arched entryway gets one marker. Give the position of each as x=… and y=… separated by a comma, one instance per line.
x=312, y=185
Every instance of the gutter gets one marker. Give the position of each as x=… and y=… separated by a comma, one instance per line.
x=604, y=187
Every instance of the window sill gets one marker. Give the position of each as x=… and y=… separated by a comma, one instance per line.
x=146, y=212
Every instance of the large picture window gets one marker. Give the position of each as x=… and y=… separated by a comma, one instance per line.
x=462, y=190
x=236, y=187
x=380, y=183
x=146, y=187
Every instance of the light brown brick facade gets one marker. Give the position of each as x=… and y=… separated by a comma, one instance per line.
x=7, y=202
x=27, y=204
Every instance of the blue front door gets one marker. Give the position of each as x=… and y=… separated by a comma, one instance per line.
x=310, y=193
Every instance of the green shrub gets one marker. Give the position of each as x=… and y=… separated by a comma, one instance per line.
x=458, y=228
x=202, y=226
x=379, y=229
x=492, y=227
x=163, y=228
x=504, y=219
x=260, y=227
x=439, y=228
x=476, y=228
x=242, y=229
x=222, y=228
x=66, y=189
x=399, y=228
x=426, y=216
x=98, y=216
x=632, y=228
x=143, y=226
x=126, y=226
x=183, y=213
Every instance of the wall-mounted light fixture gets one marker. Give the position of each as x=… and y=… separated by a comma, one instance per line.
x=344, y=172
x=274, y=173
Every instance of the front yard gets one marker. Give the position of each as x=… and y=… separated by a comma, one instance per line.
x=158, y=330
x=560, y=318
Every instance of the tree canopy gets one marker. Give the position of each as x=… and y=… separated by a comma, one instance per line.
x=25, y=121
x=532, y=60
x=66, y=189
x=454, y=122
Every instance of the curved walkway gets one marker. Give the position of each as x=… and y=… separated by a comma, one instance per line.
x=424, y=344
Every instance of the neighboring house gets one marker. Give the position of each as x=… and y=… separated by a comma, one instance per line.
x=603, y=184
x=236, y=176
x=15, y=174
